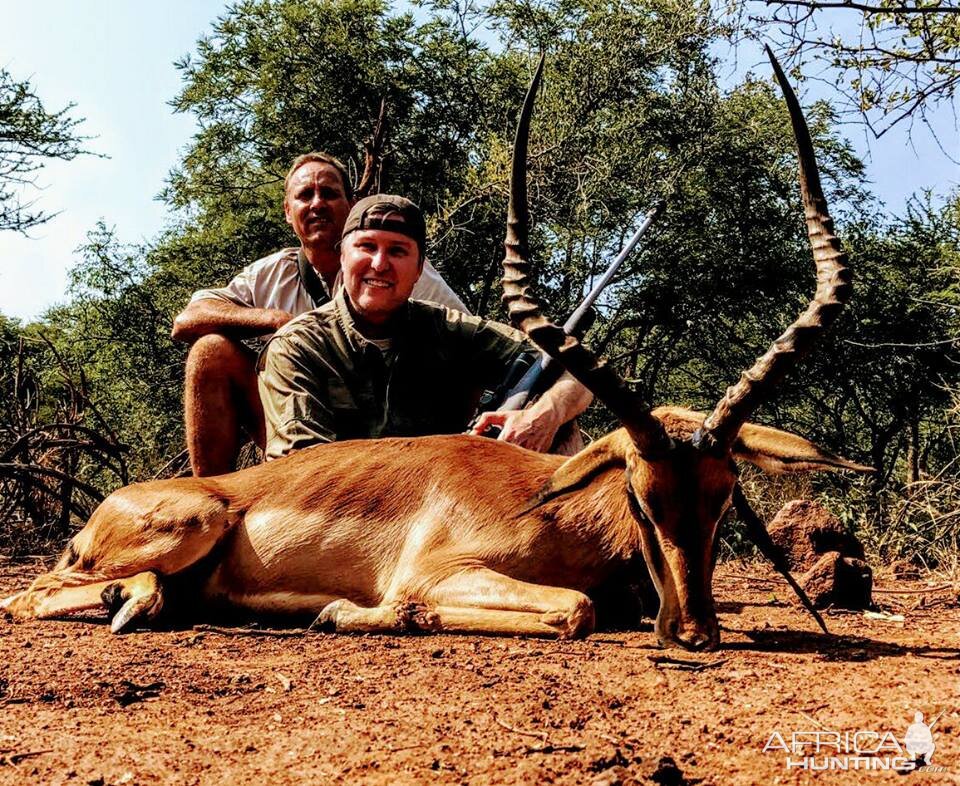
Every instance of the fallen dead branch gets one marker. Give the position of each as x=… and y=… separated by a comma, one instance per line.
x=545, y=746
x=552, y=748
x=810, y=719
x=542, y=735
x=409, y=747
x=941, y=588
x=883, y=616
x=666, y=662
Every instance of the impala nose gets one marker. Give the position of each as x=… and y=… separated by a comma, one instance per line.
x=695, y=640
x=695, y=635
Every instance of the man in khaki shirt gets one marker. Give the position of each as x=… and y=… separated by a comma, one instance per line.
x=373, y=363
x=227, y=326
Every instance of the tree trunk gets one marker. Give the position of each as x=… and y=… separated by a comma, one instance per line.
x=913, y=450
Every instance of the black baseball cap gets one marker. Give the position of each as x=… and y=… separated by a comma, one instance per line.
x=388, y=212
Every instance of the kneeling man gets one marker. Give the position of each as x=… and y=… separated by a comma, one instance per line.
x=373, y=363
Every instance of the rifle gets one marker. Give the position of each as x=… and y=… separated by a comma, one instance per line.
x=529, y=377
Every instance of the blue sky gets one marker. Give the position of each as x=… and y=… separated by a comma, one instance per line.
x=114, y=59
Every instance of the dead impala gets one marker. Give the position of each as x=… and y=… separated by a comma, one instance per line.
x=460, y=533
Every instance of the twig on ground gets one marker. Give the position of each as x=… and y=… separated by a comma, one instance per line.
x=883, y=616
x=618, y=741
x=552, y=749
x=280, y=634
x=541, y=734
x=545, y=746
x=594, y=640
x=666, y=662
x=408, y=747
x=814, y=721
x=13, y=759
x=886, y=591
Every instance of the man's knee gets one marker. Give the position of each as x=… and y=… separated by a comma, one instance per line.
x=221, y=356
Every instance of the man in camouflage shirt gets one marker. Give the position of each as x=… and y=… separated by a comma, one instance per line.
x=373, y=363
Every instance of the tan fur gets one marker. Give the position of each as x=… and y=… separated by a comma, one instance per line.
x=437, y=533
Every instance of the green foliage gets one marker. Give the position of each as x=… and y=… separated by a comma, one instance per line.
x=890, y=60
x=29, y=133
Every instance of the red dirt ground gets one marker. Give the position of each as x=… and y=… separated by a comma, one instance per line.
x=80, y=706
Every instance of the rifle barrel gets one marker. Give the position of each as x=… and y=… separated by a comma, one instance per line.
x=571, y=324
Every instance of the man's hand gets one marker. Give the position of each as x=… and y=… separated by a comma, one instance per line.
x=536, y=427
x=527, y=428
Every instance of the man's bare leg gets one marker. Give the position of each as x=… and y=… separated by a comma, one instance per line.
x=221, y=404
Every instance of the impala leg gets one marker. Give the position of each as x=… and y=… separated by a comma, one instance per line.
x=344, y=616
x=481, y=600
x=477, y=600
x=57, y=594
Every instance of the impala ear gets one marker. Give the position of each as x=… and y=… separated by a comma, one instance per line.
x=777, y=452
x=771, y=449
x=580, y=469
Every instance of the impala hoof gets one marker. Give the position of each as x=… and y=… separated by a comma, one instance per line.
x=576, y=622
x=327, y=619
x=137, y=599
x=697, y=642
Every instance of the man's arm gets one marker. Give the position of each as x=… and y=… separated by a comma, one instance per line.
x=213, y=315
x=492, y=348
x=536, y=427
x=296, y=407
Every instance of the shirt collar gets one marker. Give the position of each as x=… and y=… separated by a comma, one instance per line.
x=348, y=324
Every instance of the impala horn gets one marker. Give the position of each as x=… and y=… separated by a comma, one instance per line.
x=524, y=308
x=373, y=151
x=757, y=384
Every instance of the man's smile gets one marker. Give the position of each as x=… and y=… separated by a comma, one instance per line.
x=378, y=283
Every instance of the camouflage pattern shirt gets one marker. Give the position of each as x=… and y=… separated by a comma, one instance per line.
x=322, y=381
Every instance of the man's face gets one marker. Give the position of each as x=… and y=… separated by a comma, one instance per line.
x=315, y=204
x=380, y=269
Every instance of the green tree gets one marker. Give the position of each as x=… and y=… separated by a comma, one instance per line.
x=29, y=135
x=891, y=60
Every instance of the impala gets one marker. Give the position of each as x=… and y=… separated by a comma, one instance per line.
x=461, y=533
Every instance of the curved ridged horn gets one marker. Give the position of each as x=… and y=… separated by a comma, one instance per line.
x=524, y=308
x=757, y=384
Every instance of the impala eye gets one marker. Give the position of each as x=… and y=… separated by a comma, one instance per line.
x=650, y=509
